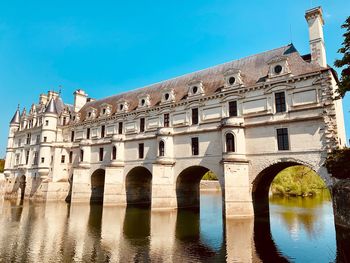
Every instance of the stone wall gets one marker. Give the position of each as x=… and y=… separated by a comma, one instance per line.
x=341, y=203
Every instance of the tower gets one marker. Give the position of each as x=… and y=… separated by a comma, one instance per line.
x=48, y=136
x=14, y=126
x=315, y=21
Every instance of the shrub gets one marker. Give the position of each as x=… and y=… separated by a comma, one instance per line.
x=209, y=176
x=2, y=165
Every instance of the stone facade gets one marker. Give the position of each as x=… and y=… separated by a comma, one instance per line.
x=245, y=120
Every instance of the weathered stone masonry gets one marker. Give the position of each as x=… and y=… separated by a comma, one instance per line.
x=245, y=120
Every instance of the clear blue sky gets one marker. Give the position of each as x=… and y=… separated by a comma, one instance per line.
x=106, y=47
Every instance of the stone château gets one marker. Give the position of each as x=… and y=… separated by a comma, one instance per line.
x=245, y=120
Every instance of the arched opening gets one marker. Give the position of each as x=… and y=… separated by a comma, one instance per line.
x=22, y=185
x=114, y=153
x=97, y=186
x=139, y=187
x=188, y=186
x=261, y=186
x=230, y=142
x=161, y=148
x=296, y=201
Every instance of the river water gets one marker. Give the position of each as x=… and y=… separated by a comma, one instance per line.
x=299, y=230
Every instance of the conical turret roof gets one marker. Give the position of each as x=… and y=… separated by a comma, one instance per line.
x=16, y=118
x=51, y=108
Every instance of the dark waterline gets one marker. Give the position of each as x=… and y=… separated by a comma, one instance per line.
x=299, y=230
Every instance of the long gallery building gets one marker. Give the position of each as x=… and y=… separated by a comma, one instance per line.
x=245, y=120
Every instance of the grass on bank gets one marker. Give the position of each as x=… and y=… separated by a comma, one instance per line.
x=297, y=181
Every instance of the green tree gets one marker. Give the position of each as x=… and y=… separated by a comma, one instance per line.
x=344, y=82
x=2, y=164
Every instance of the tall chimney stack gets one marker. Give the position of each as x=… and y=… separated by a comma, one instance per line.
x=315, y=21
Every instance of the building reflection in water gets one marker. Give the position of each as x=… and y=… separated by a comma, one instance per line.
x=57, y=232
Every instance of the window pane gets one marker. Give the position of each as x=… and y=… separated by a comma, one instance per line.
x=280, y=102
x=282, y=139
x=141, y=150
x=232, y=107
x=195, y=146
x=195, y=116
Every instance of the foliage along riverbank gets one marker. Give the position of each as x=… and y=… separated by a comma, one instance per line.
x=297, y=181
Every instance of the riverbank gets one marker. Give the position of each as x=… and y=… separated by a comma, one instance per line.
x=209, y=186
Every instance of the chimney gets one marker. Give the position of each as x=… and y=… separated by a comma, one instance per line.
x=315, y=21
x=80, y=98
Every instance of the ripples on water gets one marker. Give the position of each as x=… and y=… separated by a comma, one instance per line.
x=302, y=230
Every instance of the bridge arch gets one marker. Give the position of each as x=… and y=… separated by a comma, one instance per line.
x=188, y=186
x=262, y=182
x=138, y=186
x=97, y=186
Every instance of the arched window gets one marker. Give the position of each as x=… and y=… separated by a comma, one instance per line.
x=161, y=148
x=230, y=142
x=81, y=155
x=114, y=153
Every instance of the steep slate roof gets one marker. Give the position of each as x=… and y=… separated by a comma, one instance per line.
x=254, y=69
x=51, y=107
x=16, y=118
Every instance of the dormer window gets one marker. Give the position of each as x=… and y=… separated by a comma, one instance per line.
x=144, y=101
x=122, y=106
x=232, y=78
x=195, y=88
x=168, y=96
x=278, y=66
x=91, y=113
x=106, y=109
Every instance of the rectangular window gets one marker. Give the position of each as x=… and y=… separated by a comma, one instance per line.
x=45, y=139
x=35, y=159
x=27, y=157
x=282, y=139
x=64, y=120
x=37, y=139
x=19, y=142
x=166, y=120
x=28, y=138
x=195, y=146
x=103, y=128
x=70, y=157
x=72, y=136
x=17, y=159
x=142, y=124
x=141, y=150
x=120, y=128
x=232, y=108
x=88, y=133
x=101, y=154
x=63, y=159
x=195, y=116
x=280, y=102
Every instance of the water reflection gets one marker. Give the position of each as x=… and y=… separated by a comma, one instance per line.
x=55, y=232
